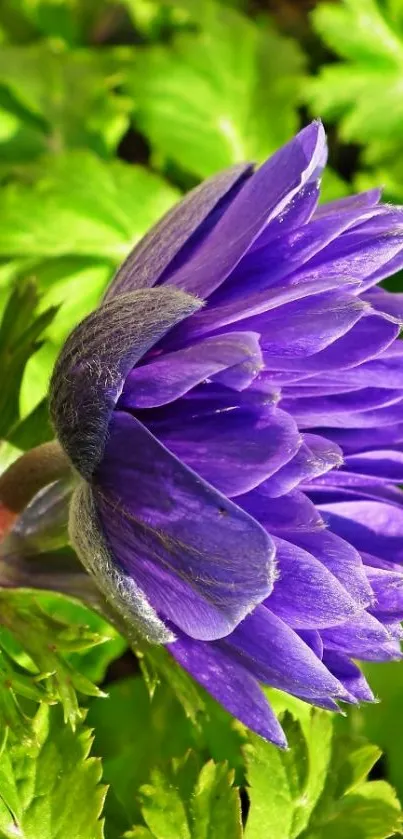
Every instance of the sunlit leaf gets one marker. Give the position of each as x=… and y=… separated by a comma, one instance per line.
x=51, y=791
x=223, y=94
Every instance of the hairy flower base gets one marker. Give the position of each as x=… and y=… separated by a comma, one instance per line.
x=235, y=406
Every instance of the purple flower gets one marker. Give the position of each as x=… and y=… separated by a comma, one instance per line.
x=235, y=408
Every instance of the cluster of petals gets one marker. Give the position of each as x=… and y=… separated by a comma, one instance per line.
x=235, y=407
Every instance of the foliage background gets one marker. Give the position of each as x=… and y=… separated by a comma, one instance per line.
x=109, y=111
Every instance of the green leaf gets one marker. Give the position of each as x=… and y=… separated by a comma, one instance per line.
x=139, y=832
x=134, y=734
x=224, y=94
x=67, y=99
x=364, y=91
x=155, y=19
x=183, y=802
x=53, y=791
x=372, y=811
x=269, y=792
x=156, y=662
x=106, y=644
x=215, y=805
x=33, y=429
x=8, y=454
x=80, y=204
x=40, y=654
x=223, y=735
x=349, y=805
x=163, y=809
x=318, y=789
x=383, y=723
x=72, y=21
x=20, y=330
x=285, y=786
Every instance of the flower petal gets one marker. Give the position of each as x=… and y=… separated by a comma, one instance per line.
x=388, y=589
x=348, y=410
x=363, y=199
x=234, y=450
x=385, y=301
x=380, y=465
x=95, y=360
x=279, y=657
x=357, y=440
x=306, y=595
x=297, y=514
x=118, y=587
x=231, y=684
x=349, y=675
x=316, y=456
x=364, y=638
x=370, y=526
x=357, y=254
x=256, y=310
x=273, y=259
x=189, y=220
x=264, y=196
x=169, y=376
x=202, y=562
x=341, y=559
x=364, y=341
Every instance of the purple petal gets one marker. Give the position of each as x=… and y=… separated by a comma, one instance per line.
x=95, y=360
x=298, y=212
x=385, y=301
x=234, y=450
x=340, y=558
x=385, y=270
x=231, y=684
x=118, y=588
x=258, y=310
x=385, y=371
x=364, y=638
x=306, y=595
x=356, y=440
x=278, y=656
x=312, y=638
x=202, y=562
x=316, y=456
x=305, y=327
x=190, y=220
x=367, y=339
x=273, y=259
x=354, y=409
x=364, y=199
x=349, y=675
x=331, y=494
x=263, y=197
x=169, y=376
x=297, y=514
x=370, y=526
x=357, y=254
x=381, y=465
x=388, y=589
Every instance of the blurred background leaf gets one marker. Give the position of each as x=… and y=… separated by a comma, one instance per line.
x=362, y=92
x=224, y=93
x=59, y=100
